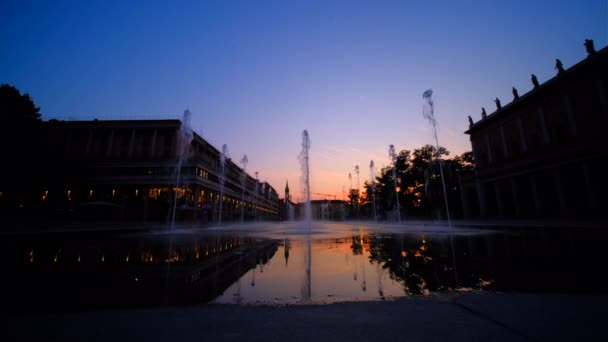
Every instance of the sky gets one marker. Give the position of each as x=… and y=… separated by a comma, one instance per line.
x=255, y=74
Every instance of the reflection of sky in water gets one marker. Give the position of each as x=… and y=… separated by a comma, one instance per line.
x=336, y=275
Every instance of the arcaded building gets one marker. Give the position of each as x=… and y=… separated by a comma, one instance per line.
x=127, y=170
x=542, y=155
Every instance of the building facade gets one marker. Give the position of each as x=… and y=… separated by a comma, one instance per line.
x=542, y=154
x=129, y=170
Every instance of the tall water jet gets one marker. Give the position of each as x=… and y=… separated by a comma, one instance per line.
x=222, y=174
x=428, y=112
x=393, y=157
x=358, y=190
x=255, y=194
x=184, y=139
x=373, y=186
x=244, y=161
x=305, y=167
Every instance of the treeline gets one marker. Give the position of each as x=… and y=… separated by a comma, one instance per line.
x=412, y=187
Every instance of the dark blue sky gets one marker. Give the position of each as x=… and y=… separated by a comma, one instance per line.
x=254, y=74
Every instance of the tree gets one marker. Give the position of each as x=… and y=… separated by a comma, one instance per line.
x=16, y=108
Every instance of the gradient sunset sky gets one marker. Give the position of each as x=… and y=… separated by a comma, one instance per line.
x=255, y=74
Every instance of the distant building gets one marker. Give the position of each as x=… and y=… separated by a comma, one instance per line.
x=333, y=210
x=128, y=170
x=542, y=155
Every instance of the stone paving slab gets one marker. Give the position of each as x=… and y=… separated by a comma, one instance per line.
x=461, y=317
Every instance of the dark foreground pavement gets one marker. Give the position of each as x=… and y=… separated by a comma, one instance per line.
x=457, y=317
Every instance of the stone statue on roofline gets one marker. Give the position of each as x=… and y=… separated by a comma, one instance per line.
x=515, y=94
x=534, y=81
x=589, y=47
x=483, y=113
x=498, y=106
x=559, y=66
x=470, y=121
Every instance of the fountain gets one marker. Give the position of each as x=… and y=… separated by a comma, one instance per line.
x=244, y=161
x=222, y=172
x=373, y=187
x=184, y=139
x=429, y=113
x=358, y=189
x=305, y=167
x=393, y=157
x=255, y=195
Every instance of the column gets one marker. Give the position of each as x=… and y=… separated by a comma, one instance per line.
x=535, y=197
x=589, y=186
x=560, y=191
x=498, y=199
x=152, y=150
x=505, y=147
x=87, y=151
x=543, y=125
x=522, y=135
x=516, y=204
x=489, y=148
x=570, y=113
x=599, y=85
x=131, y=144
x=109, y=147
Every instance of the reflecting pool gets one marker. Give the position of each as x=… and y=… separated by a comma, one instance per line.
x=292, y=263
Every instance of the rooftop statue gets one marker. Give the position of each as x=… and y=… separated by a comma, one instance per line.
x=498, y=106
x=515, y=94
x=589, y=46
x=483, y=113
x=470, y=121
x=559, y=66
x=535, y=81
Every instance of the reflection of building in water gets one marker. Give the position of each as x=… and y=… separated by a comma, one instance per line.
x=126, y=170
x=63, y=274
x=542, y=154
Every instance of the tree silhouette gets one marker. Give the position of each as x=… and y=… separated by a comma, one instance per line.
x=16, y=108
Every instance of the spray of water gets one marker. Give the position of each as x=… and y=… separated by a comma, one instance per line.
x=358, y=189
x=428, y=111
x=393, y=157
x=305, y=167
x=184, y=140
x=223, y=157
x=244, y=161
x=372, y=174
x=257, y=182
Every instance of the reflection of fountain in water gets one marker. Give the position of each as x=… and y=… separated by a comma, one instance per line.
x=222, y=175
